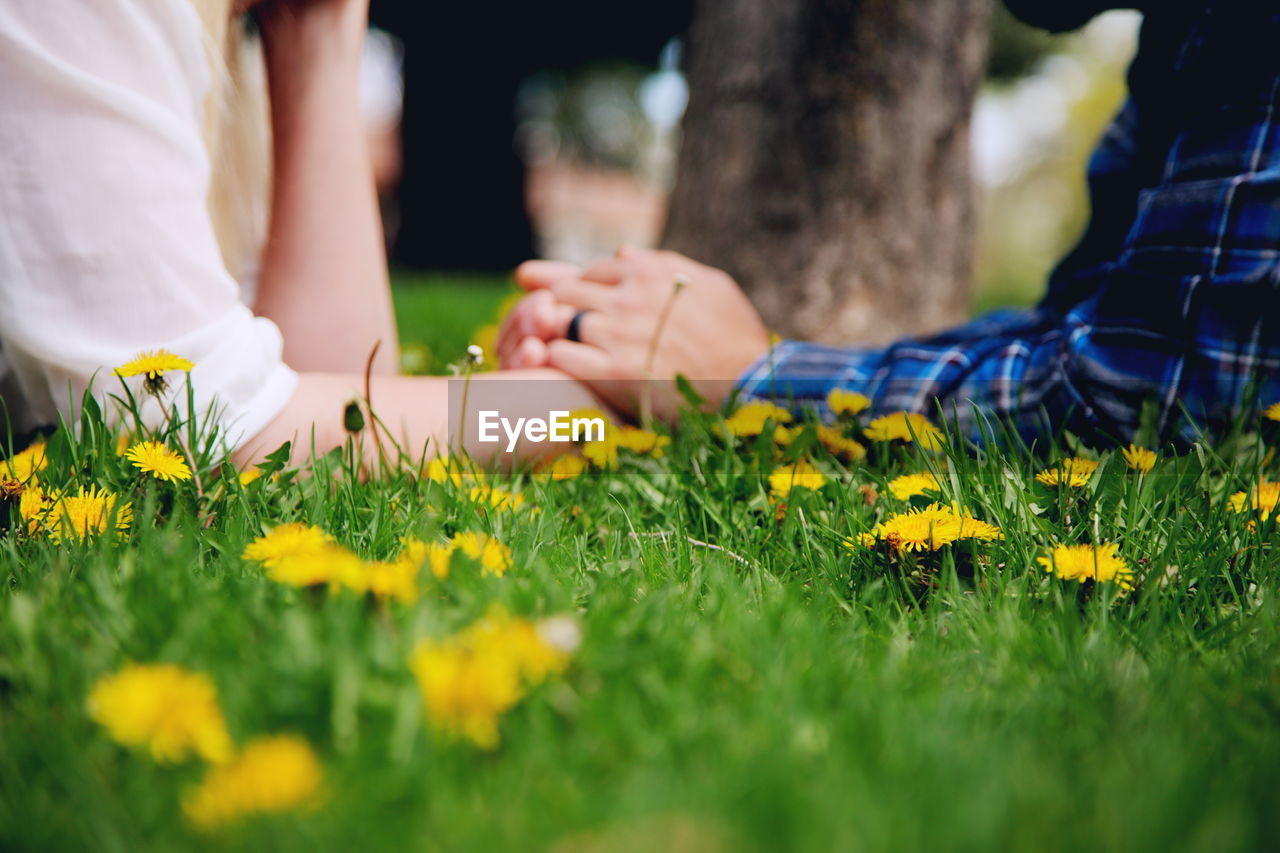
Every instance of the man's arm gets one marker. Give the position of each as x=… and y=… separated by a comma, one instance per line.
x=1006, y=364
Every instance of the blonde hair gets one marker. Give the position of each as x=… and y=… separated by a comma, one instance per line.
x=237, y=136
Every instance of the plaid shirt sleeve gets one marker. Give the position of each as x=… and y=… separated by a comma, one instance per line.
x=1172, y=296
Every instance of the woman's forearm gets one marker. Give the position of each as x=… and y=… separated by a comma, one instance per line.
x=421, y=414
x=324, y=274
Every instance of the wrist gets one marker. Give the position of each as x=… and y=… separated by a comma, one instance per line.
x=741, y=360
x=298, y=37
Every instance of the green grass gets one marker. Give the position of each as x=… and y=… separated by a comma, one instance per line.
x=783, y=693
x=439, y=311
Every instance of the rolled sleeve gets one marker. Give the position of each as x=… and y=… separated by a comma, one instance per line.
x=1006, y=363
x=106, y=244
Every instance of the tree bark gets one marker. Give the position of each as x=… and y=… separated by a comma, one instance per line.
x=825, y=161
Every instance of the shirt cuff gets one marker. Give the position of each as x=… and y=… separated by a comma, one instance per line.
x=800, y=374
x=261, y=409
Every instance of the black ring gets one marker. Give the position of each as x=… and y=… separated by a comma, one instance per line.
x=575, y=327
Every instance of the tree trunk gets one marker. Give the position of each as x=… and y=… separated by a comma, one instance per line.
x=825, y=161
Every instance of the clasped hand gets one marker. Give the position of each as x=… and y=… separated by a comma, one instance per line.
x=645, y=317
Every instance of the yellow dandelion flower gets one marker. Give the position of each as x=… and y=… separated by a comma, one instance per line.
x=249, y=475
x=34, y=506
x=910, y=485
x=451, y=469
x=1073, y=471
x=642, y=441
x=800, y=475
x=466, y=690
x=750, y=419
x=973, y=528
x=470, y=679
x=590, y=414
x=1272, y=412
x=123, y=442
x=331, y=563
x=25, y=465
x=388, y=579
x=437, y=555
x=1140, y=458
x=164, y=708
x=590, y=425
x=785, y=436
x=930, y=528
x=907, y=427
x=602, y=452
x=563, y=467
x=1261, y=499
x=493, y=556
x=849, y=403
x=86, y=514
x=286, y=541
x=538, y=650
x=1088, y=562
x=396, y=579
x=498, y=499
x=920, y=529
x=444, y=469
x=153, y=366
x=152, y=457
x=413, y=551
x=271, y=774
x=840, y=445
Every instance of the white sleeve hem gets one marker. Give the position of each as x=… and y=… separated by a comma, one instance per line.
x=277, y=389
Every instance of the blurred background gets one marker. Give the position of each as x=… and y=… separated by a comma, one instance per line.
x=568, y=148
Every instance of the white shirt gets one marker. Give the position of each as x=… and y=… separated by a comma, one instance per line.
x=106, y=244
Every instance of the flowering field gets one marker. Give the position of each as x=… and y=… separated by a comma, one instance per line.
x=759, y=633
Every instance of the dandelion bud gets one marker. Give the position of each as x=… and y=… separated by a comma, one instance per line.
x=353, y=417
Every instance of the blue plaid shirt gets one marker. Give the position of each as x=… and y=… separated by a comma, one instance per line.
x=1172, y=297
